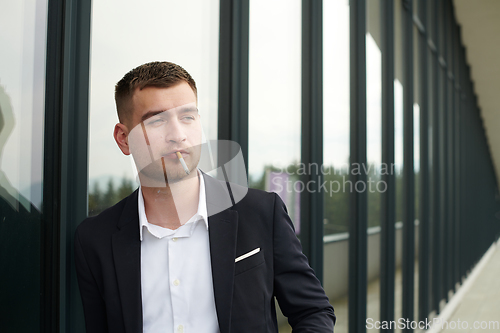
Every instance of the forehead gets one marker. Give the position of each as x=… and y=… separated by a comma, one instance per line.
x=161, y=99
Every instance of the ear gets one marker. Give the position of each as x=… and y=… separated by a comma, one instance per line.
x=121, y=137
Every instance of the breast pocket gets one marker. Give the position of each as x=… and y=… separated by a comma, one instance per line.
x=249, y=295
x=249, y=262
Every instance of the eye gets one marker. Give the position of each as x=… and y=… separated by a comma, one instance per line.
x=188, y=118
x=155, y=121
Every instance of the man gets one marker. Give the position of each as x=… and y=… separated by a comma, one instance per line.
x=173, y=256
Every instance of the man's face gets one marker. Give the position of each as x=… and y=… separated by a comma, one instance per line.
x=164, y=121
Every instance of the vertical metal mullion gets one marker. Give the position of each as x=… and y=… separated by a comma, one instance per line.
x=457, y=151
x=423, y=247
x=312, y=132
x=450, y=144
x=358, y=200
x=436, y=255
x=408, y=168
x=467, y=142
x=463, y=165
x=51, y=219
x=233, y=74
x=475, y=172
x=442, y=95
x=65, y=161
x=477, y=200
x=74, y=147
x=443, y=147
x=388, y=197
x=470, y=169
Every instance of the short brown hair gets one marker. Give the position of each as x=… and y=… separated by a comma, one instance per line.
x=153, y=74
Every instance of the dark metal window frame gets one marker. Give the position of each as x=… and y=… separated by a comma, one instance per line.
x=388, y=198
x=312, y=202
x=408, y=260
x=425, y=185
x=65, y=160
x=358, y=200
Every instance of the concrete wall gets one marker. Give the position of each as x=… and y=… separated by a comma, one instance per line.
x=336, y=259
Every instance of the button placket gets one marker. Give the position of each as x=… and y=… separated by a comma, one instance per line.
x=177, y=292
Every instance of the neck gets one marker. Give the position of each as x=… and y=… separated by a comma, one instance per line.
x=173, y=205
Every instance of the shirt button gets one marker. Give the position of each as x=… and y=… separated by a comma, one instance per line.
x=180, y=328
x=176, y=283
x=174, y=239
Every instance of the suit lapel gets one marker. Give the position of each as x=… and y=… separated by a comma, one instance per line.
x=127, y=256
x=222, y=231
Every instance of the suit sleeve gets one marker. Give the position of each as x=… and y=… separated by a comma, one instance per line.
x=93, y=303
x=299, y=293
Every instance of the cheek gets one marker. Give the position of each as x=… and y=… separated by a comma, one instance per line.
x=139, y=148
x=195, y=136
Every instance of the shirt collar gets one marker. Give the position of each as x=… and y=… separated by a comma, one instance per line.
x=201, y=214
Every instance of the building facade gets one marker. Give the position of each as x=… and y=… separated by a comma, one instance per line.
x=363, y=115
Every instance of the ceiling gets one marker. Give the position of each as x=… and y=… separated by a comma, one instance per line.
x=480, y=22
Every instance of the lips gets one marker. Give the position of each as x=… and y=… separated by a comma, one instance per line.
x=172, y=154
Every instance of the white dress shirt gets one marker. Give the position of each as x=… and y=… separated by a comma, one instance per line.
x=176, y=274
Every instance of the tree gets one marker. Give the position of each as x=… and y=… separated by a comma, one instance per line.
x=95, y=200
x=125, y=188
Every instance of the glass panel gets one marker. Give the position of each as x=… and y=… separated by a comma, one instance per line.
x=22, y=99
x=274, y=100
x=398, y=156
x=185, y=33
x=432, y=176
x=336, y=112
x=374, y=155
x=416, y=157
x=274, y=104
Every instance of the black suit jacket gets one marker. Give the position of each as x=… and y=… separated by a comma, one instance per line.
x=108, y=261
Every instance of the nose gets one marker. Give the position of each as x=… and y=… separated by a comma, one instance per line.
x=175, y=132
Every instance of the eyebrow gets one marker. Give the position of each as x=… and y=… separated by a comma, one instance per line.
x=150, y=114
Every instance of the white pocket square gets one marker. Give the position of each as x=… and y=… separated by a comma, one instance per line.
x=246, y=255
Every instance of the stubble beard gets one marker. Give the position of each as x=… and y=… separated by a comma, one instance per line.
x=163, y=172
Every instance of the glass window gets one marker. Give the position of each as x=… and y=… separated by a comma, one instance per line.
x=336, y=113
x=374, y=154
x=22, y=99
x=416, y=150
x=274, y=102
x=185, y=33
x=398, y=151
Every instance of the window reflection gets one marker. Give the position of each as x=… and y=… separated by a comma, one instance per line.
x=274, y=100
x=374, y=168
x=399, y=62
x=336, y=113
x=22, y=91
x=185, y=33
x=373, y=126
